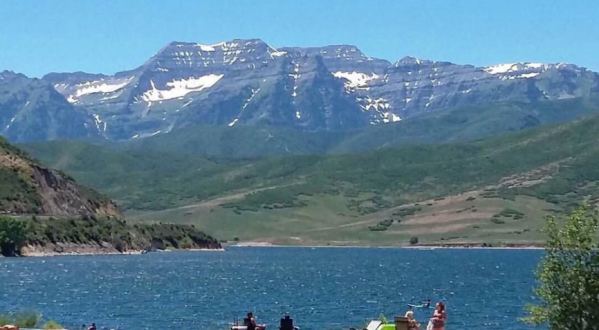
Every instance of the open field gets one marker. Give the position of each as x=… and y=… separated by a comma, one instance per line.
x=326, y=220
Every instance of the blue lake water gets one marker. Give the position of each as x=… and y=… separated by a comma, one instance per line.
x=322, y=289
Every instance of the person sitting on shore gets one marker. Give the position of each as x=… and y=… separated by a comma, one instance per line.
x=412, y=323
x=250, y=323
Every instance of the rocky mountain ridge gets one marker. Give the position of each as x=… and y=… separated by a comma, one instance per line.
x=318, y=88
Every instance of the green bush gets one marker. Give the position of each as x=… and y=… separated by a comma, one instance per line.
x=377, y=228
x=52, y=325
x=13, y=234
x=383, y=319
x=414, y=240
x=27, y=319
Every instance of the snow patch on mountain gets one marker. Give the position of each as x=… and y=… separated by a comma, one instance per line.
x=355, y=80
x=254, y=92
x=10, y=123
x=374, y=104
x=524, y=75
x=517, y=67
x=101, y=126
x=275, y=53
x=500, y=68
x=98, y=86
x=295, y=76
x=209, y=48
x=389, y=117
x=180, y=88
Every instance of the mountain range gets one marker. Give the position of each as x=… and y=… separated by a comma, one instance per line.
x=247, y=82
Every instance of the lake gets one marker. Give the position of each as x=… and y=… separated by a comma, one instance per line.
x=321, y=288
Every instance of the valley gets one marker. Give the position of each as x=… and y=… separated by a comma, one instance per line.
x=312, y=146
x=495, y=190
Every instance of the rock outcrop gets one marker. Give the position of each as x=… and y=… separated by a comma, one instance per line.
x=31, y=188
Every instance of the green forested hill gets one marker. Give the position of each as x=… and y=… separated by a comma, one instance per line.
x=347, y=198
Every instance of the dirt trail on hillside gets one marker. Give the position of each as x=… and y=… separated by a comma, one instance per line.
x=211, y=203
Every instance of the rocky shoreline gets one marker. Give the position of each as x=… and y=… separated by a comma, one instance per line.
x=70, y=249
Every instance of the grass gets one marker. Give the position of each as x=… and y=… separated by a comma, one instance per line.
x=22, y=319
x=326, y=220
x=28, y=319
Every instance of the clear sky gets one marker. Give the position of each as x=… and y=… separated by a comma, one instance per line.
x=37, y=37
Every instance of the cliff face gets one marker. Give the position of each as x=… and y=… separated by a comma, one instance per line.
x=27, y=187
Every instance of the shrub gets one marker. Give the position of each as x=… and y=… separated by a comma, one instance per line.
x=27, y=319
x=52, y=325
x=377, y=228
x=383, y=319
x=13, y=233
x=414, y=240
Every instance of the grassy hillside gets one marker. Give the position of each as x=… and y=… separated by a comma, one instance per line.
x=497, y=189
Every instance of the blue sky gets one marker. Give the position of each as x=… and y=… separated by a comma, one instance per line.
x=37, y=37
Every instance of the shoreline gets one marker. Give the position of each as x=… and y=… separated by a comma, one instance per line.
x=45, y=254
x=473, y=246
x=40, y=253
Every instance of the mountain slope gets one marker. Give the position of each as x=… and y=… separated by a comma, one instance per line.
x=31, y=110
x=30, y=188
x=321, y=88
x=461, y=124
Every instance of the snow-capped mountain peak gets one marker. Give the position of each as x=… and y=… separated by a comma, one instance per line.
x=247, y=81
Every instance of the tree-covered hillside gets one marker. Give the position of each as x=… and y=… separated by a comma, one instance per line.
x=550, y=164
